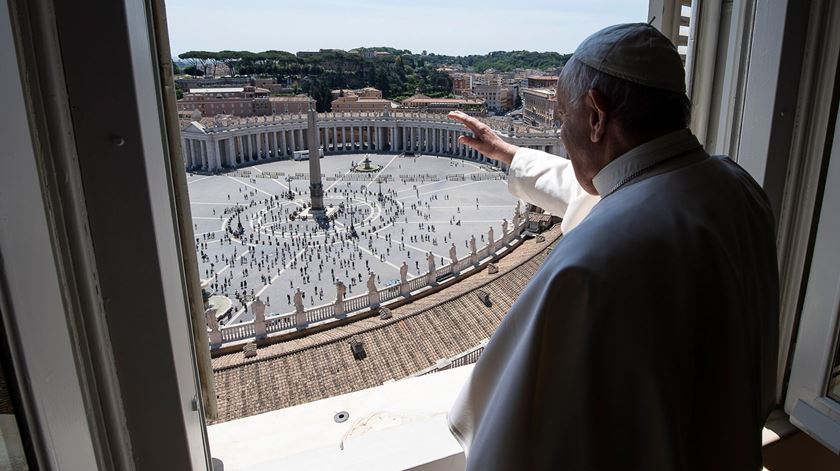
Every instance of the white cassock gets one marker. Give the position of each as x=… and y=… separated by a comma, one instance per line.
x=648, y=338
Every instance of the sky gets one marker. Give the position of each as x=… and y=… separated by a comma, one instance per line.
x=439, y=26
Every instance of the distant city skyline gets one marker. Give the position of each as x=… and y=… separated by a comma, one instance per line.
x=436, y=26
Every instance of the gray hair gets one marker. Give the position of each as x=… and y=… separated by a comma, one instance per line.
x=636, y=107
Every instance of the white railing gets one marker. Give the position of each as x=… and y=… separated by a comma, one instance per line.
x=389, y=293
x=462, y=359
x=417, y=283
x=302, y=318
x=320, y=313
x=356, y=304
x=279, y=323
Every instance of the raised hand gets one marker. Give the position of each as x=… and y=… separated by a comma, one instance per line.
x=486, y=140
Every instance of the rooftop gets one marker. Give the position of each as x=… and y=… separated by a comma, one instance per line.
x=318, y=366
x=426, y=99
x=218, y=90
x=302, y=98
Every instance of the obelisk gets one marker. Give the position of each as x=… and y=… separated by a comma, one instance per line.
x=316, y=188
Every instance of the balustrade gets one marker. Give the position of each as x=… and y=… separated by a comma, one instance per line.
x=292, y=320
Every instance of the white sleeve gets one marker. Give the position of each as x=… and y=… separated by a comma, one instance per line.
x=544, y=180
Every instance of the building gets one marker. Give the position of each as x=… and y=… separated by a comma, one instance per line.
x=366, y=92
x=499, y=98
x=188, y=83
x=263, y=82
x=470, y=106
x=236, y=101
x=240, y=101
x=461, y=83
x=539, y=107
x=213, y=145
x=542, y=81
x=296, y=104
x=356, y=104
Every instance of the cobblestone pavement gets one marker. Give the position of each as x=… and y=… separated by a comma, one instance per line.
x=251, y=242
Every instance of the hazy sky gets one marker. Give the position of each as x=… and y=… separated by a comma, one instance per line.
x=440, y=26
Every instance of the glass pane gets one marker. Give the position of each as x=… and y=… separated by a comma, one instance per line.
x=834, y=377
x=12, y=456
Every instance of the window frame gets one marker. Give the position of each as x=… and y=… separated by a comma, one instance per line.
x=818, y=336
x=76, y=377
x=108, y=382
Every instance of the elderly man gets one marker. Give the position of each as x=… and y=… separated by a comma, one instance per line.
x=648, y=338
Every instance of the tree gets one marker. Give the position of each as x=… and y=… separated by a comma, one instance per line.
x=193, y=70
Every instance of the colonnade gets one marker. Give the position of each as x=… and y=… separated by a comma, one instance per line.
x=229, y=148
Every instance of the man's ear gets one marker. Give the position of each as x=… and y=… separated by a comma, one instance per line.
x=597, y=109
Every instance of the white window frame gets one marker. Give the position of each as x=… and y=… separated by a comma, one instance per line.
x=68, y=342
x=758, y=70
x=807, y=402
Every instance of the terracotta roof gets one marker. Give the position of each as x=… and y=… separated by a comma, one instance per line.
x=297, y=98
x=437, y=326
x=425, y=99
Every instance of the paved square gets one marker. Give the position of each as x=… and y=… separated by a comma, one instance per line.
x=250, y=240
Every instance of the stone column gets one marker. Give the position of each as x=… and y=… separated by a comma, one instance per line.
x=213, y=324
x=343, y=139
x=273, y=144
x=258, y=308
x=205, y=161
x=215, y=158
x=340, y=290
x=335, y=138
x=185, y=150
x=373, y=292
x=231, y=156
x=191, y=147
x=292, y=147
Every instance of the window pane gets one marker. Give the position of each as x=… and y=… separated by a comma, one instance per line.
x=834, y=377
x=12, y=456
